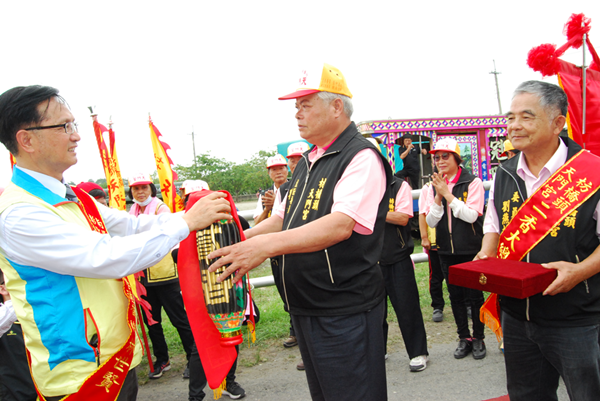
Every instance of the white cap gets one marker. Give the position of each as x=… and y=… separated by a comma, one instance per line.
x=139, y=179
x=297, y=149
x=447, y=145
x=276, y=160
x=190, y=186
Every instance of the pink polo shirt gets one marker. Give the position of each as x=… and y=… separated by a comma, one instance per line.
x=427, y=188
x=404, y=203
x=358, y=192
x=532, y=183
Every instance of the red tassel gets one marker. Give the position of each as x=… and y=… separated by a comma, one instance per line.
x=141, y=290
x=543, y=59
x=576, y=27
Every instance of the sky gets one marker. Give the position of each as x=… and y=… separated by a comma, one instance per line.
x=217, y=68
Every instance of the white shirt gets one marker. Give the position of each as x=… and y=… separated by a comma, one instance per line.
x=31, y=235
x=7, y=317
x=467, y=211
x=259, y=206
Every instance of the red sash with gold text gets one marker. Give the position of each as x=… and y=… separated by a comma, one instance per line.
x=106, y=381
x=568, y=188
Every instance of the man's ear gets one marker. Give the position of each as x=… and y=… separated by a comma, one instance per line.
x=25, y=140
x=559, y=124
x=338, y=106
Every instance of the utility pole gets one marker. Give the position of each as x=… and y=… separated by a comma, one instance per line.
x=497, y=88
x=194, y=147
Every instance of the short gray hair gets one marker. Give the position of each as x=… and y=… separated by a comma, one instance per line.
x=552, y=97
x=330, y=97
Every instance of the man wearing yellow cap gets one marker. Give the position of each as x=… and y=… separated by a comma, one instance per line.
x=330, y=233
x=509, y=150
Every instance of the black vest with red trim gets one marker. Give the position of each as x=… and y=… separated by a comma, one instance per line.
x=397, y=241
x=573, y=240
x=344, y=278
x=465, y=238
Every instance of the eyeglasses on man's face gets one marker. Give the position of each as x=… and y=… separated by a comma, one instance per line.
x=442, y=156
x=70, y=127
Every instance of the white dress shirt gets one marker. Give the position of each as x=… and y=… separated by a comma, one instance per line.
x=7, y=317
x=31, y=235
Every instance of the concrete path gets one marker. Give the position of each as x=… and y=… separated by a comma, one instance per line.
x=444, y=379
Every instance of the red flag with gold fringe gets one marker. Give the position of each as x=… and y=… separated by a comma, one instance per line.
x=164, y=167
x=545, y=59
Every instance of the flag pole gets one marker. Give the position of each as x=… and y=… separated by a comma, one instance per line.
x=583, y=69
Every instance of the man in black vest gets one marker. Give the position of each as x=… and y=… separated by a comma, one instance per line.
x=330, y=233
x=409, y=153
x=399, y=275
x=555, y=333
x=277, y=167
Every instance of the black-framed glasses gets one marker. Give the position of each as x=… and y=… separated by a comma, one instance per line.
x=443, y=156
x=70, y=127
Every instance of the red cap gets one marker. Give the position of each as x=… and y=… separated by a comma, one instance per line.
x=87, y=187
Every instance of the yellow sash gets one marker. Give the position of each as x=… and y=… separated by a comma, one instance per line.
x=108, y=379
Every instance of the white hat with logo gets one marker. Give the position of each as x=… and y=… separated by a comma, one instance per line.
x=276, y=160
x=297, y=149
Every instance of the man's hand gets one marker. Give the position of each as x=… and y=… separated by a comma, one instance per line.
x=489, y=246
x=207, y=210
x=424, y=151
x=425, y=243
x=245, y=256
x=569, y=275
x=268, y=199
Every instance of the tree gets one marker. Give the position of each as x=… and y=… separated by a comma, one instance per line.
x=101, y=182
x=237, y=179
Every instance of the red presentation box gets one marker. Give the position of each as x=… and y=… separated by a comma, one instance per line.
x=505, y=277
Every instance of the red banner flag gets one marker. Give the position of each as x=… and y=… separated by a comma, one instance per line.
x=545, y=59
x=164, y=167
x=110, y=163
x=571, y=80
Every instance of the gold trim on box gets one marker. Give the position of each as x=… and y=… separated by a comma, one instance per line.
x=482, y=279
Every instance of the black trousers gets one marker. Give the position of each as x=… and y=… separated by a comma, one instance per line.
x=413, y=175
x=460, y=297
x=168, y=296
x=436, y=281
x=401, y=288
x=15, y=378
x=198, y=377
x=343, y=355
x=276, y=269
